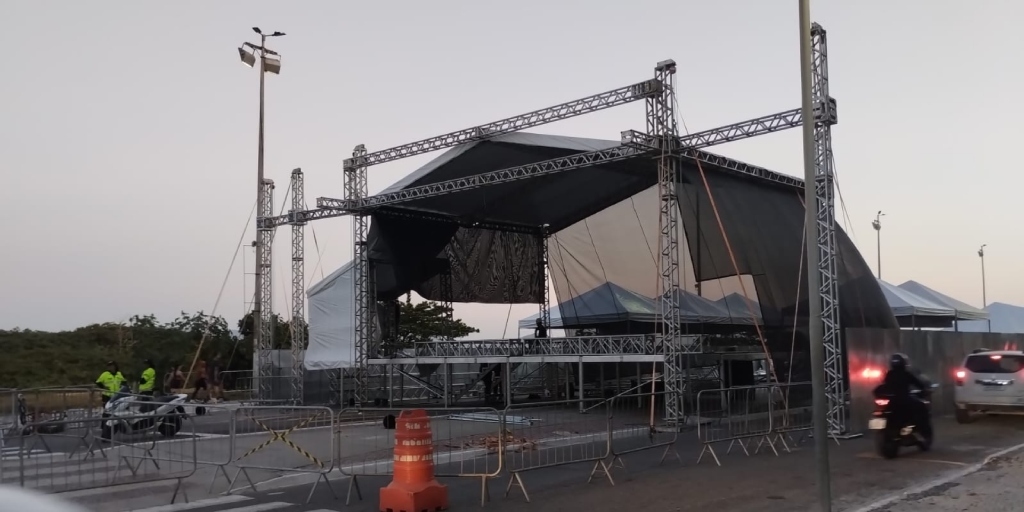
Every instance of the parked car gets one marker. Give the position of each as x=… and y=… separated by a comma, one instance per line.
x=990, y=382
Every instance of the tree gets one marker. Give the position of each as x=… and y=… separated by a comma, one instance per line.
x=426, y=321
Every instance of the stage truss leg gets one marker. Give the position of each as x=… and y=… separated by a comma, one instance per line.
x=356, y=191
x=825, y=117
x=264, y=328
x=662, y=125
x=298, y=324
x=545, y=299
x=446, y=302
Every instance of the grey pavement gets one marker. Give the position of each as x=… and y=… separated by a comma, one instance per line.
x=996, y=487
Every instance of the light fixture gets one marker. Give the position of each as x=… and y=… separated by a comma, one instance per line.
x=272, y=64
x=247, y=58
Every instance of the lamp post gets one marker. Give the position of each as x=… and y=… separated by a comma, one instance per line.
x=815, y=328
x=270, y=62
x=984, y=299
x=877, y=224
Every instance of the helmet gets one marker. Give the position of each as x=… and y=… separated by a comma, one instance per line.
x=899, y=362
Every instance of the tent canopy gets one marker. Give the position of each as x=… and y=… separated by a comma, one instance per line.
x=961, y=310
x=331, y=322
x=1005, y=318
x=905, y=303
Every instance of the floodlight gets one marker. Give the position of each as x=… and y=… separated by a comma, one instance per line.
x=276, y=34
x=272, y=65
x=247, y=58
x=257, y=30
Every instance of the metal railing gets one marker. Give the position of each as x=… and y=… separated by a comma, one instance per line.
x=250, y=445
x=767, y=415
x=123, y=457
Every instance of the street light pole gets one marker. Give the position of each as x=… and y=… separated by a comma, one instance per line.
x=877, y=224
x=815, y=329
x=248, y=58
x=984, y=299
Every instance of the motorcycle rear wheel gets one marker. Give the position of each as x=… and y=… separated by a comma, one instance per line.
x=887, y=447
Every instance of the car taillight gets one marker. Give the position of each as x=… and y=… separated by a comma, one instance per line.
x=960, y=376
x=881, y=402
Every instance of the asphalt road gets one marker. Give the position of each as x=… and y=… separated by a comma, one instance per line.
x=758, y=483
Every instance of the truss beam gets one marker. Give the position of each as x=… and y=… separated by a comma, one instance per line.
x=663, y=127
x=264, y=329
x=298, y=323
x=825, y=117
x=595, y=103
x=365, y=306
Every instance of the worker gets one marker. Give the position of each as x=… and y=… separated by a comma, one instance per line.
x=110, y=381
x=148, y=381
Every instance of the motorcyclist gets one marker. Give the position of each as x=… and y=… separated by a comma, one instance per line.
x=898, y=383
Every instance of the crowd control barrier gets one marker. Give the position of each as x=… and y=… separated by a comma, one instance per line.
x=739, y=416
x=556, y=434
x=792, y=418
x=636, y=426
x=123, y=457
x=468, y=442
x=283, y=439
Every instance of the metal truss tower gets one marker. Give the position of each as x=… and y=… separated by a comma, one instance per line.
x=263, y=318
x=825, y=117
x=545, y=300
x=663, y=128
x=298, y=323
x=364, y=288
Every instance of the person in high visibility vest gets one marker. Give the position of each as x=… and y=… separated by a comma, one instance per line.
x=110, y=381
x=148, y=381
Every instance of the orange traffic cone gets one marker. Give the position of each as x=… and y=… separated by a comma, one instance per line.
x=413, y=488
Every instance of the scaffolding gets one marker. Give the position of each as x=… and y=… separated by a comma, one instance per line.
x=662, y=142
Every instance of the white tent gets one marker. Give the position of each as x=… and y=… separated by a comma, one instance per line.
x=906, y=303
x=331, y=322
x=962, y=310
x=1005, y=318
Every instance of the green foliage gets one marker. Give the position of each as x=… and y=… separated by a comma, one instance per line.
x=38, y=358
x=425, y=321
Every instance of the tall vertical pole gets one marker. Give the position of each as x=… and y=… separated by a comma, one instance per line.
x=815, y=330
x=363, y=287
x=661, y=123
x=265, y=303
x=257, y=308
x=877, y=224
x=984, y=297
x=298, y=324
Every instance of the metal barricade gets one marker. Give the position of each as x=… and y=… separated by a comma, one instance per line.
x=135, y=449
x=468, y=443
x=635, y=425
x=283, y=439
x=792, y=413
x=739, y=415
x=59, y=404
x=556, y=434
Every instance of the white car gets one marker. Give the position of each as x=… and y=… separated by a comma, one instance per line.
x=990, y=382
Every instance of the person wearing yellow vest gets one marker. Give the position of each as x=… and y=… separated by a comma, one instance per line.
x=110, y=381
x=148, y=381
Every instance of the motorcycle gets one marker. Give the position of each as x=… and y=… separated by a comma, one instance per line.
x=131, y=414
x=895, y=428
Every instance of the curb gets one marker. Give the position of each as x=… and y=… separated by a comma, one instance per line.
x=956, y=475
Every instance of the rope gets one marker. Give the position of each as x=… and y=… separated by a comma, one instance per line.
x=220, y=294
x=732, y=255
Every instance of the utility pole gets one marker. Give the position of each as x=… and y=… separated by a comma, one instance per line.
x=984, y=299
x=270, y=62
x=815, y=329
x=877, y=224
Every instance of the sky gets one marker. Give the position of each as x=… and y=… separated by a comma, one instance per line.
x=128, y=130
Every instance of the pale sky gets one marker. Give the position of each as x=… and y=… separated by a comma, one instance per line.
x=128, y=129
